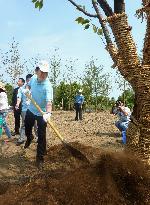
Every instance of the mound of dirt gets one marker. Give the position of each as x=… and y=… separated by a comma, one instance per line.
x=115, y=179
x=112, y=177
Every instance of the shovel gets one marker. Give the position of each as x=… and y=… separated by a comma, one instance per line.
x=75, y=153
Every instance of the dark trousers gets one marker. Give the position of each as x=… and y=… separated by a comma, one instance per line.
x=78, y=111
x=41, y=124
x=17, y=114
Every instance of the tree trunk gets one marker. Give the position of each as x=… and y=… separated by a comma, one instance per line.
x=62, y=104
x=138, y=137
x=129, y=66
x=125, y=57
x=119, y=6
x=96, y=102
x=146, y=49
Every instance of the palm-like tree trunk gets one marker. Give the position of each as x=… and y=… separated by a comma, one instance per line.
x=139, y=77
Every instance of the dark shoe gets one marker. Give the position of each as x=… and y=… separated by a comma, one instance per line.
x=27, y=144
x=76, y=119
x=39, y=162
x=14, y=133
x=19, y=143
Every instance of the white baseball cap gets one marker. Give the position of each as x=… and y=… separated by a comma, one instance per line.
x=43, y=66
x=80, y=91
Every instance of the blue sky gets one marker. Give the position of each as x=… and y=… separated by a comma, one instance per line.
x=55, y=27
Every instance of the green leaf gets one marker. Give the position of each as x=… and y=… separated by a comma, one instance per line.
x=85, y=21
x=37, y=4
x=79, y=20
x=100, y=31
x=87, y=26
x=40, y=4
x=33, y=1
x=94, y=29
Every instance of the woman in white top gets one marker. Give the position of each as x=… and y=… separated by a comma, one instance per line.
x=4, y=109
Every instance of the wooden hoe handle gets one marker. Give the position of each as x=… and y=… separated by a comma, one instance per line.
x=49, y=122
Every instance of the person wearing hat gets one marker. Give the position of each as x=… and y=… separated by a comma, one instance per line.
x=42, y=93
x=4, y=109
x=79, y=99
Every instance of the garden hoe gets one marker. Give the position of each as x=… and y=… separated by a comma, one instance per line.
x=75, y=153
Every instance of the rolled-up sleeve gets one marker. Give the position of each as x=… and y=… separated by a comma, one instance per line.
x=49, y=94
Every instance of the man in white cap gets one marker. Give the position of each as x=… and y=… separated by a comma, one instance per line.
x=42, y=93
x=79, y=99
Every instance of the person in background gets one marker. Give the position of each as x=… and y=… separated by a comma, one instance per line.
x=35, y=124
x=42, y=93
x=4, y=109
x=25, y=102
x=123, y=113
x=79, y=99
x=17, y=113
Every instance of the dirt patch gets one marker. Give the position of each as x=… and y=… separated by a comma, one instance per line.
x=115, y=179
x=112, y=177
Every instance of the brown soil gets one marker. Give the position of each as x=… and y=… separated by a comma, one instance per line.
x=112, y=177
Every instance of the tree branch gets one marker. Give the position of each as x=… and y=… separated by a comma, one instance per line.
x=82, y=10
x=102, y=23
x=110, y=46
x=106, y=8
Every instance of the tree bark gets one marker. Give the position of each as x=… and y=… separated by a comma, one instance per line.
x=146, y=49
x=145, y=2
x=119, y=6
x=106, y=8
x=126, y=48
x=139, y=77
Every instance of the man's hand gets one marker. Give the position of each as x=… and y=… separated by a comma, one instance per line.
x=46, y=116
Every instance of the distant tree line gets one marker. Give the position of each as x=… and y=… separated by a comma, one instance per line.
x=66, y=79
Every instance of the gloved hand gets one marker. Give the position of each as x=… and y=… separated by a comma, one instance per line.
x=46, y=116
